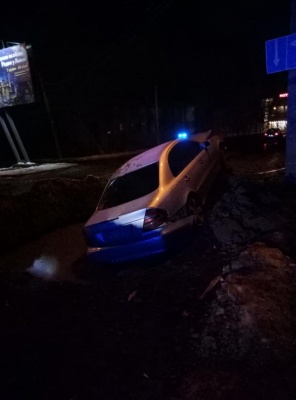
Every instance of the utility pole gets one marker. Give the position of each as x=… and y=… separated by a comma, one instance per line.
x=47, y=106
x=291, y=124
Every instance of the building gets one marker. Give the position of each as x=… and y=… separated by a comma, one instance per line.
x=275, y=112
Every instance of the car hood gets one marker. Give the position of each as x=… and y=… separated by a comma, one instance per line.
x=114, y=212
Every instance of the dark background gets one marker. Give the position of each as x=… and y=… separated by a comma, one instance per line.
x=100, y=66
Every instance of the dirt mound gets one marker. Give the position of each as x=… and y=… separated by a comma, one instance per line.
x=32, y=208
x=247, y=343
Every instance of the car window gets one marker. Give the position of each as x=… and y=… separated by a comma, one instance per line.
x=205, y=144
x=273, y=130
x=182, y=154
x=130, y=186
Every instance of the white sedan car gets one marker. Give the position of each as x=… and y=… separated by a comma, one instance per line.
x=152, y=199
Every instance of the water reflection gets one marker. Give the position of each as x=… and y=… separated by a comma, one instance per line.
x=50, y=257
x=45, y=267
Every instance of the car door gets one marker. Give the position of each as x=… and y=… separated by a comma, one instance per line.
x=198, y=170
x=213, y=164
x=187, y=160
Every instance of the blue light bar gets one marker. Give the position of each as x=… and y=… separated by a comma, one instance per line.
x=182, y=135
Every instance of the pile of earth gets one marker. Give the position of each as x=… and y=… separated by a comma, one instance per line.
x=255, y=208
x=245, y=347
x=31, y=208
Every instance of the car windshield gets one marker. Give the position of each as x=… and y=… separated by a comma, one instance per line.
x=130, y=186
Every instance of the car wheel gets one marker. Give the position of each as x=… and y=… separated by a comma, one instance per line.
x=195, y=208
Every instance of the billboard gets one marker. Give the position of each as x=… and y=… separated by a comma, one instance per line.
x=15, y=78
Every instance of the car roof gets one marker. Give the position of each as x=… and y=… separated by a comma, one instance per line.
x=153, y=155
x=145, y=158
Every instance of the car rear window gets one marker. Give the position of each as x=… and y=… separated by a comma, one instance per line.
x=182, y=154
x=130, y=186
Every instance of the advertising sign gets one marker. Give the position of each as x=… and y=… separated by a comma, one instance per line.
x=15, y=78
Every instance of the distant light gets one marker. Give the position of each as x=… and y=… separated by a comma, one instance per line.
x=283, y=95
x=182, y=135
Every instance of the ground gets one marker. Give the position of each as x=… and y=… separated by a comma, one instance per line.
x=214, y=321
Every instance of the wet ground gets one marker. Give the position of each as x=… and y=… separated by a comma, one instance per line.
x=117, y=333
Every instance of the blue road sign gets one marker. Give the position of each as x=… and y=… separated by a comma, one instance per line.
x=281, y=53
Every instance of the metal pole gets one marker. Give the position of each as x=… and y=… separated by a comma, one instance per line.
x=6, y=131
x=156, y=114
x=47, y=106
x=17, y=137
x=291, y=120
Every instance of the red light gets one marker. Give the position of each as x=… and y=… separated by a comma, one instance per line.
x=283, y=95
x=154, y=218
x=276, y=134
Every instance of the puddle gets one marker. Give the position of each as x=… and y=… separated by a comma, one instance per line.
x=50, y=257
x=45, y=267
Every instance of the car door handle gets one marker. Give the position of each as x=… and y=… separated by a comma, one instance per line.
x=187, y=178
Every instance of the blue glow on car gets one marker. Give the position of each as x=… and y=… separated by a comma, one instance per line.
x=152, y=245
x=182, y=135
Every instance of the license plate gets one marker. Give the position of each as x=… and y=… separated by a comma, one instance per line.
x=121, y=232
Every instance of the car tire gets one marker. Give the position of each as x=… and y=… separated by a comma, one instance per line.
x=195, y=207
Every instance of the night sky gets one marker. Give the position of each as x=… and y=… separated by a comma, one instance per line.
x=186, y=47
x=94, y=59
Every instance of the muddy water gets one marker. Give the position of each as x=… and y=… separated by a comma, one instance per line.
x=50, y=257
